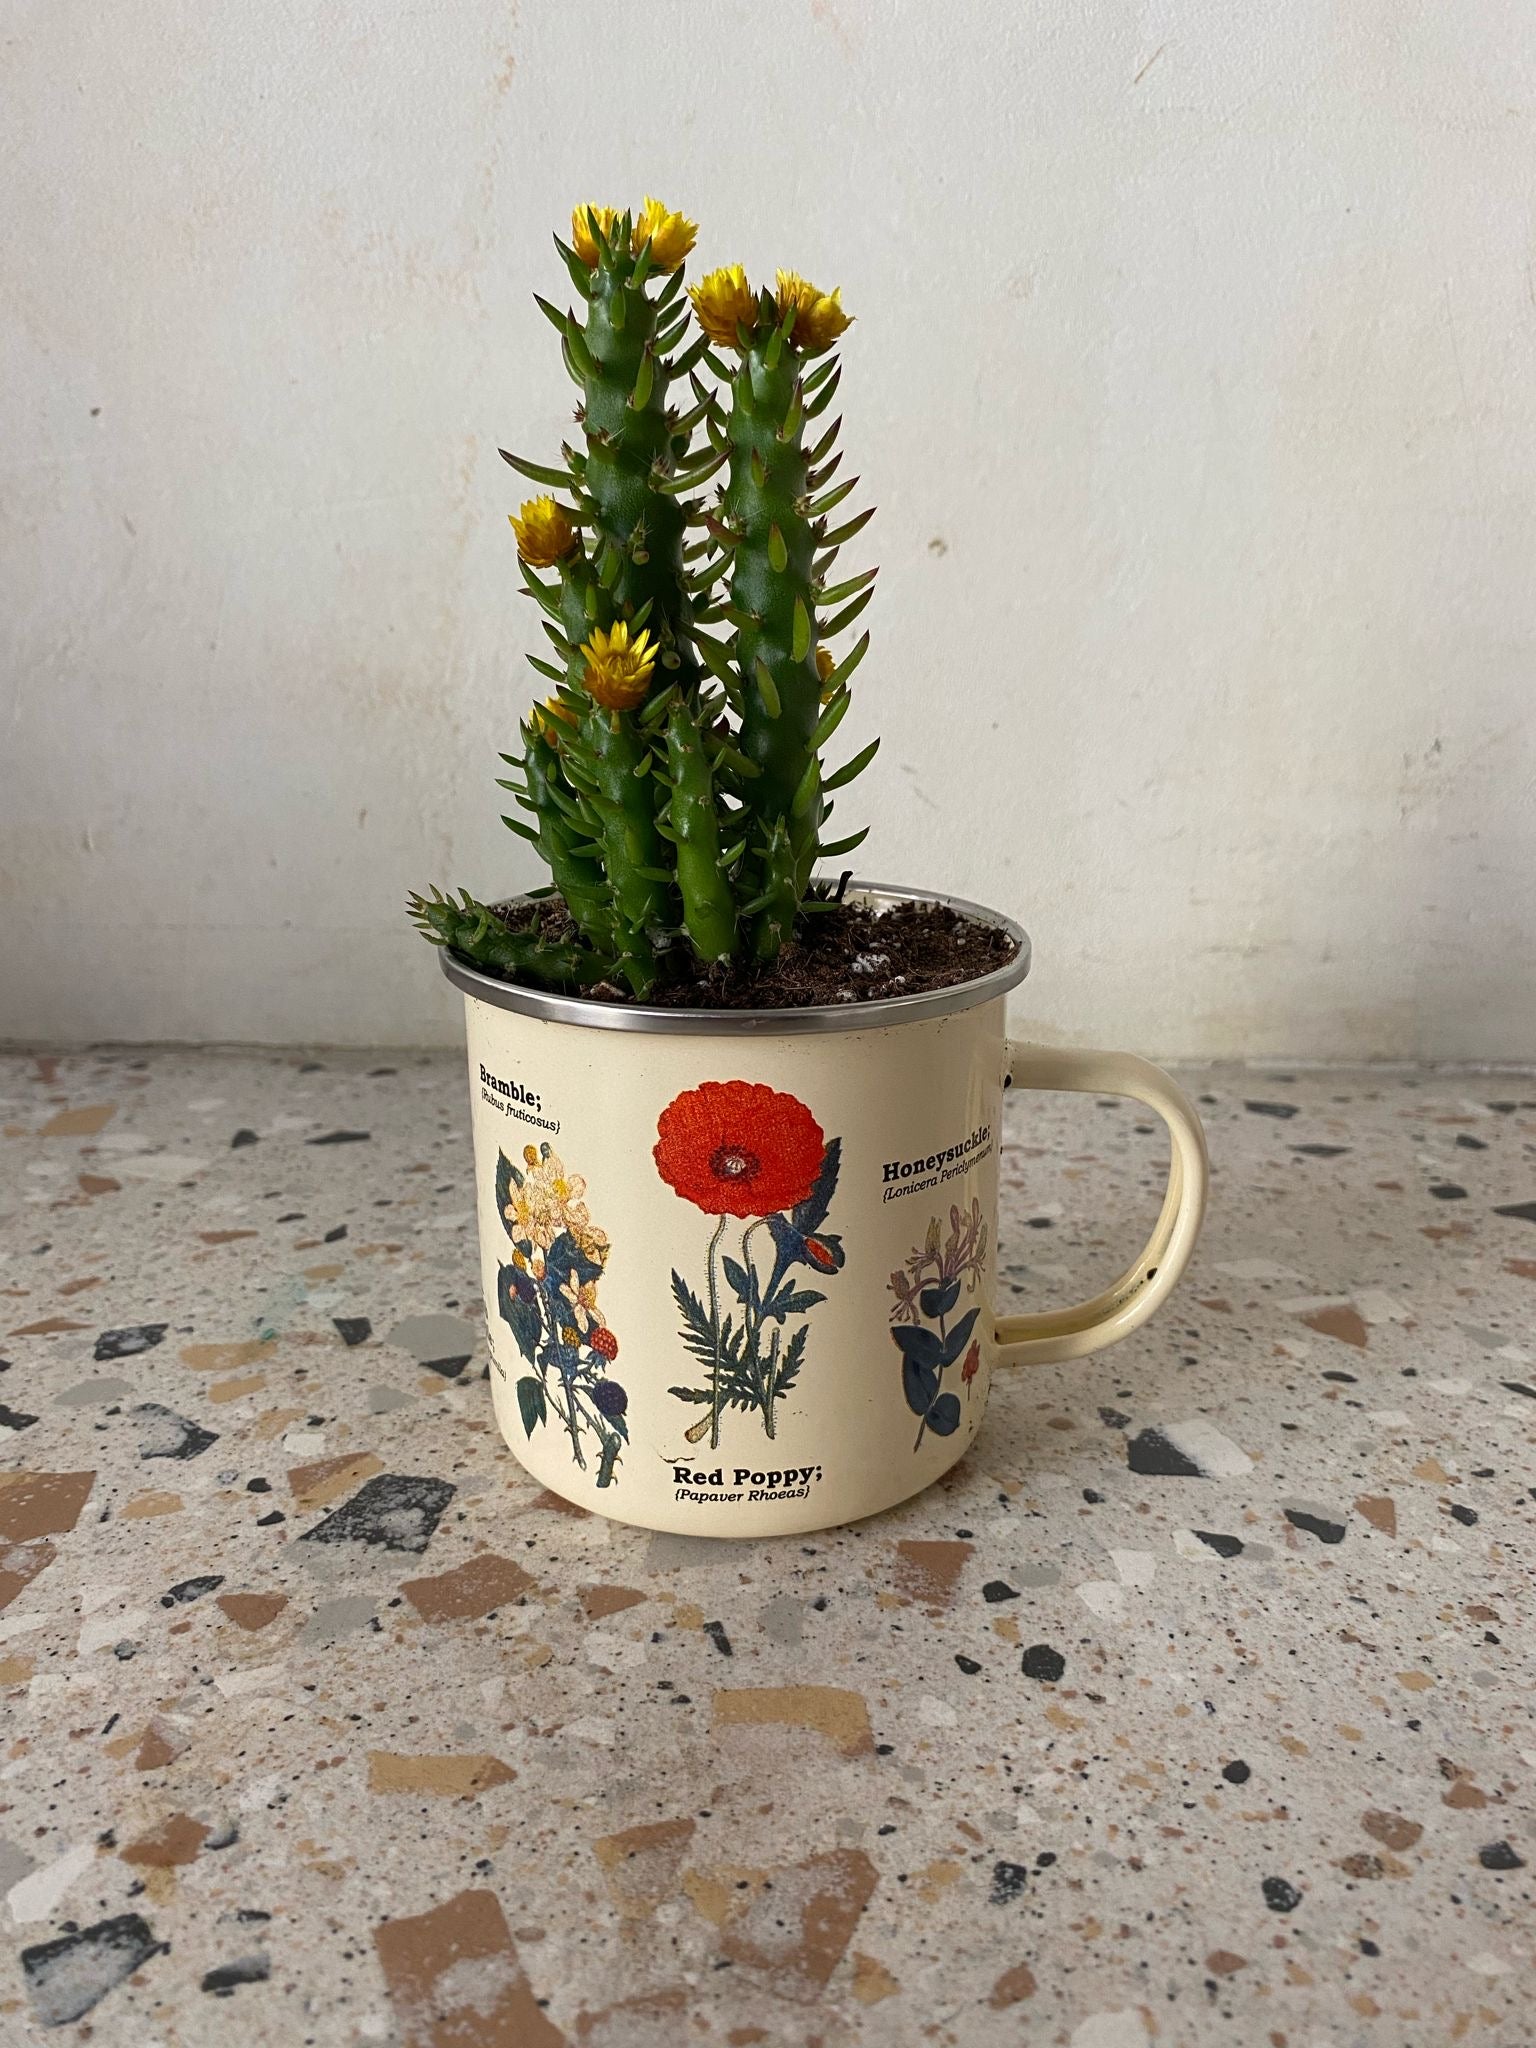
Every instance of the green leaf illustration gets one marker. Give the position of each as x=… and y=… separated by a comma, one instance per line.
x=531, y=1402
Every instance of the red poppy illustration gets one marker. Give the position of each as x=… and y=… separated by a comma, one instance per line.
x=972, y=1361
x=737, y=1148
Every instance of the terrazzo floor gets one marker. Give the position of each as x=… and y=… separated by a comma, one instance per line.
x=1193, y=1708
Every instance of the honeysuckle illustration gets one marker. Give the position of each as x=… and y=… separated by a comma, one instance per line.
x=684, y=560
x=547, y=1297
x=741, y=1151
x=927, y=1291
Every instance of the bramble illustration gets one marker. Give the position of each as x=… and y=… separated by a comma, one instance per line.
x=927, y=1294
x=739, y=1150
x=547, y=1296
x=674, y=778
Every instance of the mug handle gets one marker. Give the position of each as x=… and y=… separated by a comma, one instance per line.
x=1148, y=1280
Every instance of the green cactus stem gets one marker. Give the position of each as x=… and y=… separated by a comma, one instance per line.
x=578, y=876
x=476, y=931
x=772, y=606
x=772, y=522
x=630, y=482
x=673, y=784
x=614, y=762
x=693, y=822
x=778, y=901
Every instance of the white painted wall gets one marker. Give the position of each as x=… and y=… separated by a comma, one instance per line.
x=1193, y=377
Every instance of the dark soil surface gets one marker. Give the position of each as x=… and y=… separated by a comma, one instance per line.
x=845, y=953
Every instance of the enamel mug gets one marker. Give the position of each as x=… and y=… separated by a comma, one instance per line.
x=740, y=1267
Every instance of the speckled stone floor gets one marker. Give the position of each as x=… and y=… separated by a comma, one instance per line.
x=1192, y=1709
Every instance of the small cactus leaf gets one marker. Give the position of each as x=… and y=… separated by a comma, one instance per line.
x=542, y=595
x=737, y=762
x=861, y=760
x=831, y=718
x=536, y=472
x=816, y=406
x=826, y=443
x=831, y=499
x=768, y=690
x=699, y=352
x=582, y=358
x=581, y=277
x=837, y=846
x=847, y=615
x=561, y=322
x=716, y=659
x=847, y=531
x=834, y=593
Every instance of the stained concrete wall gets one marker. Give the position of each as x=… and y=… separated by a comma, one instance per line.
x=1192, y=376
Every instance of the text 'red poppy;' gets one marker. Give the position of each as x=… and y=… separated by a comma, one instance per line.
x=737, y=1148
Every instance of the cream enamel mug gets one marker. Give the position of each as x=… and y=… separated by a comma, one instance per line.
x=740, y=1266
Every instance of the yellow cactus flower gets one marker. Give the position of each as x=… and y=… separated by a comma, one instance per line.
x=819, y=316
x=824, y=667
x=723, y=301
x=619, y=669
x=544, y=532
x=581, y=231
x=670, y=235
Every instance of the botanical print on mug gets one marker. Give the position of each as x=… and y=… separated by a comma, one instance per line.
x=742, y=1151
x=548, y=1300
x=927, y=1294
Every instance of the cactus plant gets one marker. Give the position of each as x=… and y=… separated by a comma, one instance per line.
x=673, y=780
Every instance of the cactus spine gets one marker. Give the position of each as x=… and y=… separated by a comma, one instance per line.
x=669, y=830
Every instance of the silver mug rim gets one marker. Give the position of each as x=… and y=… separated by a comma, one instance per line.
x=871, y=1016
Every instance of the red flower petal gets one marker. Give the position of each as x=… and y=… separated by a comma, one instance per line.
x=736, y=1148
